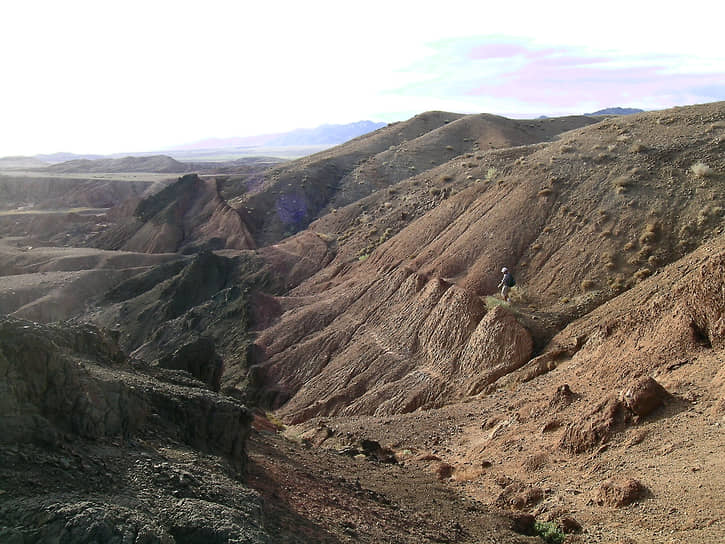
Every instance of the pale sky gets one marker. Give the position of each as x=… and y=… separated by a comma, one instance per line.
x=122, y=76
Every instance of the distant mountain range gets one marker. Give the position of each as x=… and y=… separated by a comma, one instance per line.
x=306, y=140
x=322, y=135
x=616, y=111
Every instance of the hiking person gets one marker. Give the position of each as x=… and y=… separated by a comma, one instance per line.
x=506, y=283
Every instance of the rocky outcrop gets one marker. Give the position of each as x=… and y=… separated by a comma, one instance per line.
x=618, y=492
x=74, y=381
x=198, y=358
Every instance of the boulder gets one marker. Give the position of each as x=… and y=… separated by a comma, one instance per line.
x=618, y=492
x=644, y=396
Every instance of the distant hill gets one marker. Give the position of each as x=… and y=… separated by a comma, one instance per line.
x=63, y=156
x=16, y=163
x=616, y=111
x=154, y=163
x=324, y=134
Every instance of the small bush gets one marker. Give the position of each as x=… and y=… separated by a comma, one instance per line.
x=701, y=170
x=491, y=173
x=549, y=532
x=650, y=234
x=587, y=285
x=622, y=182
x=642, y=273
x=546, y=191
x=450, y=148
x=617, y=284
x=637, y=148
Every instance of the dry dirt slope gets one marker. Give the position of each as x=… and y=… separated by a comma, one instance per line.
x=409, y=326
x=290, y=196
x=555, y=451
x=407, y=323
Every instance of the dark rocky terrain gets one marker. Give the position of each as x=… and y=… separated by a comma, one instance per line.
x=345, y=304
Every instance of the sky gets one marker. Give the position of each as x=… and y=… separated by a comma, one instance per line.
x=121, y=76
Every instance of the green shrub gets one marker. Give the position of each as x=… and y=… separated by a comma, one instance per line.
x=549, y=532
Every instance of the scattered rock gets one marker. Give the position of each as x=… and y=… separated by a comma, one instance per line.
x=562, y=398
x=523, y=523
x=595, y=427
x=569, y=525
x=644, y=397
x=444, y=471
x=619, y=492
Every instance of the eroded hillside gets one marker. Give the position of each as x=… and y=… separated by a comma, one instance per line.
x=411, y=326
x=374, y=332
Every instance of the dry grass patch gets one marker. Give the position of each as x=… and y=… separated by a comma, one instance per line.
x=701, y=170
x=622, y=183
x=546, y=191
x=587, y=285
x=617, y=283
x=642, y=274
x=650, y=234
x=535, y=462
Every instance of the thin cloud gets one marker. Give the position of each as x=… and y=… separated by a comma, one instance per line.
x=556, y=80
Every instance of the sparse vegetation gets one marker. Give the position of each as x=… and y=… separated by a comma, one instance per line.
x=638, y=147
x=701, y=170
x=650, y=234
x=587, y=285
x=617, y=283
x=621, y=183
x=642, y=273
x=549, y=532
x=491, y=173
x=546, y=191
